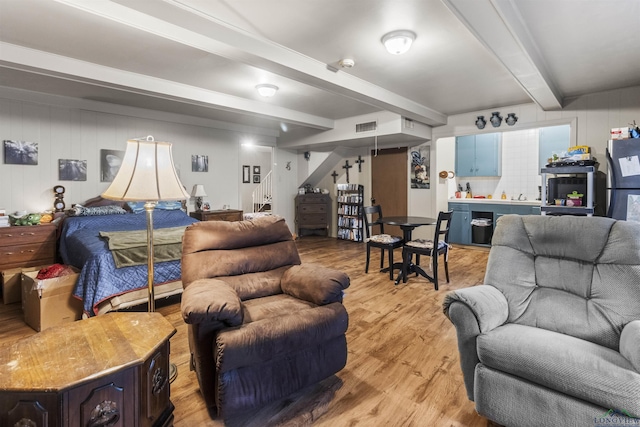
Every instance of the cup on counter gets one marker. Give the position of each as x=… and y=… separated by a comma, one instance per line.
x=463, y=194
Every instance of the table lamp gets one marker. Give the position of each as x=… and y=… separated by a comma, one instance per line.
x=198, y=193
x=147, y=174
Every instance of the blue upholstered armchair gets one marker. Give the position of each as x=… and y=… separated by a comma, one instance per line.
x=553, y=336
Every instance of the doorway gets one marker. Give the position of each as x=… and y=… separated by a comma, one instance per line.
x=389, y=186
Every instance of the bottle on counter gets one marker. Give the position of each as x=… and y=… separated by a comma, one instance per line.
x=503, y=196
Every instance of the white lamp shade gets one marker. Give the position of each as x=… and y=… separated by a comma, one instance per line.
x=147, y=174
x=398, y=42
x=198, y=191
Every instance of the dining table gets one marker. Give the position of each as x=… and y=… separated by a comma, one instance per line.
x=408, y=224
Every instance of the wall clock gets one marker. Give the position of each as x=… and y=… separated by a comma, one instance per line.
x=58, y=203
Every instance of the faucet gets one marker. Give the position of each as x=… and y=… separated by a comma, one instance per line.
x=521, y=198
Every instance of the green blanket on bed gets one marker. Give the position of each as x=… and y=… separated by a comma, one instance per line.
x=130, y=247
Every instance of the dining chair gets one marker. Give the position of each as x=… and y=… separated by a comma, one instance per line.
x=425, y=247
x=383, y=241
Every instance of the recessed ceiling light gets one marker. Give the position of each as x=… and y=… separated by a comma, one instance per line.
x=267, y=90
x=398, y=42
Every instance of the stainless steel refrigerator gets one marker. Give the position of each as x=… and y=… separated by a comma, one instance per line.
x=623, y=156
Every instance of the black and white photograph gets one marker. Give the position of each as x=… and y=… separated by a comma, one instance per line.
x=20, y=152
x=256, y=179
x=246, y=174
x=110, y=161
x=199, y=163
x=72, y=170
x=256, y=170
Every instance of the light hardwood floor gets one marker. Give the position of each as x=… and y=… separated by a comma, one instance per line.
x=402, y=369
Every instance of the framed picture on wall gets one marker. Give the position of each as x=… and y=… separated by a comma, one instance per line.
x=246, y=174
x=256, y=179
x=199, y=163
x=110, y=161
x=72, y=170
x=256, y=170
x=20, y=152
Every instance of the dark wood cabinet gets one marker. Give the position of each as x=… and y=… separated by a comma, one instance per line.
x=110, y=370
x=313, y=213
x=218, y=215
x=27, y=246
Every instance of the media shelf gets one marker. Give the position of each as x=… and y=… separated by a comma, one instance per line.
x=589, y=207
x=350, y=207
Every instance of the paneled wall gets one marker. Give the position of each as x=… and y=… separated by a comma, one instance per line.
x=78, y=134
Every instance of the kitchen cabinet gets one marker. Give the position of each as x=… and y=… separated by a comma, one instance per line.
x=478, y=155
x=460, y=231
x=463, y=213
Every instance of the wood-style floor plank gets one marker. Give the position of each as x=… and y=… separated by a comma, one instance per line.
x=402, y=369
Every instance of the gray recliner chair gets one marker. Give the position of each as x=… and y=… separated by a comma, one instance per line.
x=553, y=335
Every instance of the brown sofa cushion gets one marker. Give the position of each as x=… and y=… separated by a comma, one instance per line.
x=315, y=283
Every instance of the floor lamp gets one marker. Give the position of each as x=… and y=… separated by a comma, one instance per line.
x=147, y=174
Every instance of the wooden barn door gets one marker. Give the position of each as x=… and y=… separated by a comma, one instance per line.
x=389, y=186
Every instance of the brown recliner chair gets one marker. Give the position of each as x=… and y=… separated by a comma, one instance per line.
x=261, y=326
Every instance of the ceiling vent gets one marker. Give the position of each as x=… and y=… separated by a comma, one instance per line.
x=408, y=123
x=366, y=127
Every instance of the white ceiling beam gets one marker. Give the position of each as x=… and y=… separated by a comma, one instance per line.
x=238, y=45
x=35, y=61
x=498, y=25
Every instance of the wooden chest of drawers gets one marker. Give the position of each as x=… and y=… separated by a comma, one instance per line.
x=218, y=215
x=27, y=246
x=313, y=214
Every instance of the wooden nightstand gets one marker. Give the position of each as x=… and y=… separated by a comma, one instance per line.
x=27, y=246
x=221, y=215
x=106, y=370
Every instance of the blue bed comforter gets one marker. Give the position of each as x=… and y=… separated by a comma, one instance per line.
x=82, y=247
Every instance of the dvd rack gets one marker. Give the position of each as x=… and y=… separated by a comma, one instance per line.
x=350, y=208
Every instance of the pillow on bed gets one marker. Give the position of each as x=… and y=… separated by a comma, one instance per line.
x=79, y=210
x=138, y=207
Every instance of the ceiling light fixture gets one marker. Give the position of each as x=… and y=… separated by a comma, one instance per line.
x=267, y=90
x=347, y=63
x=398, y=42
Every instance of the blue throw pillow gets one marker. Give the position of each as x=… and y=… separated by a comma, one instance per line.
x=138, y=207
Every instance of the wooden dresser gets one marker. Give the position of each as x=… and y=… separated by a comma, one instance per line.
x=110, y=370
x=313, y=213
x=219, y=215
x=27, y=246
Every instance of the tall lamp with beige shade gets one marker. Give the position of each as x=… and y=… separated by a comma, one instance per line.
x=147, y=174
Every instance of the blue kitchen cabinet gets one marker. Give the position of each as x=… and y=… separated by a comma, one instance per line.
x=460, y=231
x=478, y=155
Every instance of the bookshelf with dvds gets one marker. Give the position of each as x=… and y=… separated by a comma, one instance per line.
x=350, y=207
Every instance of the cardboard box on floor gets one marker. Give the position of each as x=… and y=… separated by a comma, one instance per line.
x=49, y=302
x=12, y=283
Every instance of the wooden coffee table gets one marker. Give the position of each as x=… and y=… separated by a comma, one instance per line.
x=106, y=370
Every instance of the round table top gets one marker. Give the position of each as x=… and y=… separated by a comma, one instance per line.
x=408, y=221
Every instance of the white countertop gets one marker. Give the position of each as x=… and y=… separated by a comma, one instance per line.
x=497, y=201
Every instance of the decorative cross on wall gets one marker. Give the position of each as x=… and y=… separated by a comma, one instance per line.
x=360, y=161
x=334, y=175
x=346, y=167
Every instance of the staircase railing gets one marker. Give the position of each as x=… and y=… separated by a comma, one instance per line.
x=262, y=195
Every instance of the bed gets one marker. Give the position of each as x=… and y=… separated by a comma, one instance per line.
x=101, y=285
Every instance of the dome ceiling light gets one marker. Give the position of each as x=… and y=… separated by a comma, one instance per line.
x=267, y=90
x=398, y=42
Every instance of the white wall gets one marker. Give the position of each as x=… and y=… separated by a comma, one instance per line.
x=73, y=133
